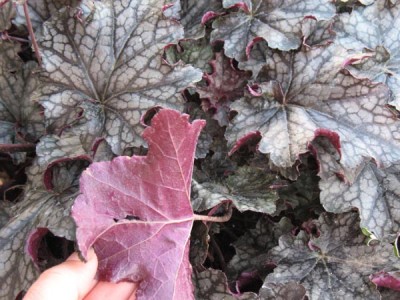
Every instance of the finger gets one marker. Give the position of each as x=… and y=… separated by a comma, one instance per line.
x=72, y=279
x=109, y=290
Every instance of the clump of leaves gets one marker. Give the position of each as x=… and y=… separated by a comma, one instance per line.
x=291, y=109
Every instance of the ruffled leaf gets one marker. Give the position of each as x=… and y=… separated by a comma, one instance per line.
x=306, y=96
x=112, y=69
x=277, y=22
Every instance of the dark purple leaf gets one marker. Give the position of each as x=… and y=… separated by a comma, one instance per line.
x=221, y=87
x=136, y=211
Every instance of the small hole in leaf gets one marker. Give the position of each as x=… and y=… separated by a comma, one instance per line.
x=148, y=115
x=128, y=217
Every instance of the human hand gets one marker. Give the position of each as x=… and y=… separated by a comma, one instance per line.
x=74, y=280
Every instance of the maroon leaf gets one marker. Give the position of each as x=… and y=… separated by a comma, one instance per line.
x=223, y=85
x=387, y=279
x=136, y=211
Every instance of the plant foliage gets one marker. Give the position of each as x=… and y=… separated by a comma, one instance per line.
x=287, y=111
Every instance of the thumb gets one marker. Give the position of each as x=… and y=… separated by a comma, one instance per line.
x=72, y=279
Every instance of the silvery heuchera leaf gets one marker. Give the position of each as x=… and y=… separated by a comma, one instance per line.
x=290, y=290
x=212, y=284
x=38, y=207
x=248, y=189
x=252, y=247
x=193, y=15
x=376, y=194
x=134, y=208
x=41, y=10
x=53, y=148
x=328, y=158
x=211, y=131
x=277, y=22
x=221, y=87
x=109, y=61
x=335, y=265
x=317, y=33
x=199, y=239
x=194, y=52
x=7, y=12
x=305, y=96
x=21, y=120
x=376, y=28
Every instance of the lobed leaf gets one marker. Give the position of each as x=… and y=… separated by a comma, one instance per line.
x=38, y=207
x=193, y=15
x=277, y=22
x=248, y=188
x=136, y=212
x=41, y=10
x=305, y=96
x=222, y=86
x=212, y=284
x=375, y=28
x=111, y=69
x=21, y=120
x=7, y=13
x=334, y=265
x=375, y=192
x=252, y=247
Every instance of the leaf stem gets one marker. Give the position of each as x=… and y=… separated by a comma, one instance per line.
x=5, y=36
x=12, y=148
x=221, y=219
x=31, y=33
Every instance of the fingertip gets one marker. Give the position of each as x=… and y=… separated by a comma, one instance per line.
x=109, y=290
x=72, y=279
